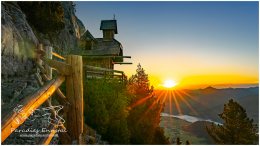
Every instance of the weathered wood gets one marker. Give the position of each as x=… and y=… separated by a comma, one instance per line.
x=39, y=53
x=74, y=93
x=16, y=118
x=38, y=77
x=47, y=140
x=48, y=50
x=103, y=56
x=64, y=138
x=62, y=99
x=102, y=69
x=41, y=67
x=53, y=130
x=95, y=72
x=63, y=68
x=58, y=56
x=45, y=78
x=122, y=63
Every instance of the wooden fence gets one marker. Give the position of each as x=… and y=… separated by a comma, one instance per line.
x=69, y=70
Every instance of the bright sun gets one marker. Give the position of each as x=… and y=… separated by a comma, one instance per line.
x=169, y=84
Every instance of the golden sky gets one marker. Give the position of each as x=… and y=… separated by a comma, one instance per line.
x=196, y=44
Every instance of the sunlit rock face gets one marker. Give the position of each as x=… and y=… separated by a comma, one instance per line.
x=21, y=33
x=55, y=22
x=67, y=39
x=18, y=41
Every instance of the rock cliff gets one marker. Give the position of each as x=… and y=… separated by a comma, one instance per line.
x=24, y=26
x=21, y=33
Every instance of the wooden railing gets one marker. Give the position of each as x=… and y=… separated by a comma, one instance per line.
x=91, y=71
x=70, y=71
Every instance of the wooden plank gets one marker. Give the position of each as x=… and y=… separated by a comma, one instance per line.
x=102, y=69
x=47, y=140
x=53, y=128
x=74, y=93
x=62, y=99
x=58, y=56
x=41, y=67
x=64, y=102
x=48, y=51
x=94, y=72
x=63, y=68
x=102, y=56
x=64, y=138
x=39, y=54
x=122, y=63
x=15, y=119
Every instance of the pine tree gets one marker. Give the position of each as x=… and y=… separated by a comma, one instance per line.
x=139, y=83
x=144, y=116
x=237, y=128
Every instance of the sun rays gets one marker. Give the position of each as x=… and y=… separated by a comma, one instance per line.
x=177, y=102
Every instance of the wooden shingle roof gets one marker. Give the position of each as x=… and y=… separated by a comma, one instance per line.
x=108, y=25
x=87, y=36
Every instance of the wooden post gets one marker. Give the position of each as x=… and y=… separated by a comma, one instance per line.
x=74, y=93
x=29, y=104
x=48, y=51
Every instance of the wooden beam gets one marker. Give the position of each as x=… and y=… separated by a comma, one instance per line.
x=122, y=63
x=48, y=51
x=63, y=68
x=41, y=67
x=95, y=72
x=74, y=93
x=47, y=140
x=101, y=69
x=62, y=99
x=58, y=56
x=53, y=130
x=29, y=104
x=103, y=56
x=64, y=138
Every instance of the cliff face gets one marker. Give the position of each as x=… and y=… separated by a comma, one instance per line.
x=17, y=53
x=24, y=26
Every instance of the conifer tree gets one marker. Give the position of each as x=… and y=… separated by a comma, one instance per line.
x=144, y=116
x=237, y=128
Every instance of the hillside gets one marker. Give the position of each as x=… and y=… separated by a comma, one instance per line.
x=195, y=132
x=209, y=102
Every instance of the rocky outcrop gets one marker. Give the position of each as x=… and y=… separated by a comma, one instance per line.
x=66, y=39
x=18, y=41
x=20, y=37
x=23, y=28
x=17, y=55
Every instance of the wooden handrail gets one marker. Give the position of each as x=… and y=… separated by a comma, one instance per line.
x=62, y=67
x=58, y=56
x=103, y=56
x=29, y=104
x=102, y=69
x=122, y=63
x=47, y=140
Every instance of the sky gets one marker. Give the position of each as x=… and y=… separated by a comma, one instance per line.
x=196, y=44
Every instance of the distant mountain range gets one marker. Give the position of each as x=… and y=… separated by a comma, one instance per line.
x=207, y=103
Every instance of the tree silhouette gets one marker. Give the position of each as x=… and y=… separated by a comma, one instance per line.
x=139, y=83
x=144, y=114
x=237, y=127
